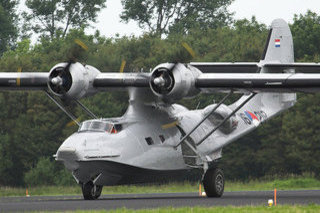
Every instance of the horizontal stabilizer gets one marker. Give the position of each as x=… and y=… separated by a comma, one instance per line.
x=248, y=67
x=240, y=67
x=298, y=67
x=279, y=82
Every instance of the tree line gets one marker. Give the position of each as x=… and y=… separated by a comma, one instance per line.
x=32, y=128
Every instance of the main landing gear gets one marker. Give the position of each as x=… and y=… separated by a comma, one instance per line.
x=213, y=182
x=91, y=191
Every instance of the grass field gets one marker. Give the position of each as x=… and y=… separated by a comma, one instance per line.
x=294, y=183
x=229, y=209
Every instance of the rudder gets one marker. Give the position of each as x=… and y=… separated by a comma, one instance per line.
x=279, y=46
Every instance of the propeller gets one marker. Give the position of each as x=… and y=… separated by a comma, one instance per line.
x=60, y=79
x=162, y=80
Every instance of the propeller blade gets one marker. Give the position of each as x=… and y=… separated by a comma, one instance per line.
x=18, y=79
x=189, y=49
x=170, y=125
x=123, y=64
x=73, y=123
x=81, y=44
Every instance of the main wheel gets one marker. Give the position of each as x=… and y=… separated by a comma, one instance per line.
x=91, y=191
x=213, y=182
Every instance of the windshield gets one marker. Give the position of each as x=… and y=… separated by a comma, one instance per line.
x=99, y=126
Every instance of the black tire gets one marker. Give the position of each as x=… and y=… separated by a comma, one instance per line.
x=91, y=191
x=213, y=182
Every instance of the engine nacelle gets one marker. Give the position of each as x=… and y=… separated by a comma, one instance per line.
x=219, y=115
x=72, y=81
x=172, y=82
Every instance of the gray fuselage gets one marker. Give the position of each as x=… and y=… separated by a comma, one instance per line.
x=143, y=147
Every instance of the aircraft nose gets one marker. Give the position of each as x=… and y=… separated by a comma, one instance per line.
x=69, y=156
x=69, y=153
x=66, y=153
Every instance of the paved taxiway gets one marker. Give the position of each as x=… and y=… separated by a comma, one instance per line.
x=139, y=201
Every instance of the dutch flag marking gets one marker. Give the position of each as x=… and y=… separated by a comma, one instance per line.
x=277, y=42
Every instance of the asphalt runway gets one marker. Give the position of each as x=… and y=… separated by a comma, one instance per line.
x=144, y=201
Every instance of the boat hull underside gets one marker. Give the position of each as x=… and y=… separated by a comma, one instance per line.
x=109, y=173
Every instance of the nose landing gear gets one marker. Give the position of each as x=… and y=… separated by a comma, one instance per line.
x=91, y=191
x=213, y=182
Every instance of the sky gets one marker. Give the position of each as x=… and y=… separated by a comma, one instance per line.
x=265, y=11
x=109, y=23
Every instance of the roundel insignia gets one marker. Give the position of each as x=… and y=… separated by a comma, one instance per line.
x=252, y=117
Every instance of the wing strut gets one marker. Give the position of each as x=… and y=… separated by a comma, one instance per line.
x=226, y=118
x=86, y=110
x=63, y=109
x=212, y=111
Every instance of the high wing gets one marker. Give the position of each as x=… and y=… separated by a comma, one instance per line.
x=71, y=81
x=24, y=81
x=276, y=78
x=108, y=80
x=217, y=80
x=280, y=78
x=39, y=80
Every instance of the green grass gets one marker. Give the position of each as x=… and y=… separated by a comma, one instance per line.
x=293, y=183
x=280, y=184
x=228, y=209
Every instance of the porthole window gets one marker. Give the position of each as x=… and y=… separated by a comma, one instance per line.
x=162, y=138
x=149, y=140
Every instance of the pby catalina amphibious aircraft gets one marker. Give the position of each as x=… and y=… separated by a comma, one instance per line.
x=157, y=138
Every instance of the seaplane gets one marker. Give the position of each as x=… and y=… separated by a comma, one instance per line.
x=156, y=138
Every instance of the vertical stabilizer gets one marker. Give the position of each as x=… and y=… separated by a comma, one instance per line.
x=279, y=46
x=278, y=49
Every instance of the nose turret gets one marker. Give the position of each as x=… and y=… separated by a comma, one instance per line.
x=88, y=146
x=69, y=152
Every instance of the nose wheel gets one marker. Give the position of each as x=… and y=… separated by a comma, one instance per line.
x=91, y=191
x=213, y=182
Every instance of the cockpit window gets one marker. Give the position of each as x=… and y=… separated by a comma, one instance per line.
x=100, y=126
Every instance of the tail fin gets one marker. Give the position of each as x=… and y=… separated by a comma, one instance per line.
x=279, y=49
x=279, y=46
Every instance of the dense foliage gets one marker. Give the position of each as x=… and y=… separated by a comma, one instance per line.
x=8, y=20
x=54, y=18
x=32, y=128
x=160, y=17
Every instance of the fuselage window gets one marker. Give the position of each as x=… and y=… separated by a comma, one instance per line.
x=149, y=141
x=118, y=127
x=113, y=130
x=162, y=138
